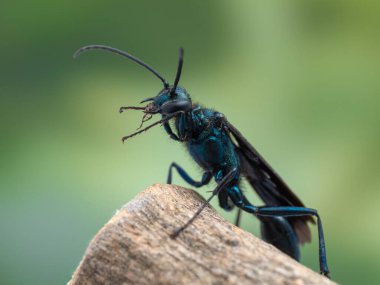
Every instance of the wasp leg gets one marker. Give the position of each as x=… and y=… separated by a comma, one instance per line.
x=221, y=184
x=283, y=211
x=170, y=132
x=205, y=178
x=238, y=218
x=224, y=201
x=286, y=211
x=162, y=121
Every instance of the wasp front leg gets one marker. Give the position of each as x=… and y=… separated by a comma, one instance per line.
x=170, y=132
x=185, y=176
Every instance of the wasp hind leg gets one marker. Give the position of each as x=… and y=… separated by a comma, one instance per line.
x=282, y=211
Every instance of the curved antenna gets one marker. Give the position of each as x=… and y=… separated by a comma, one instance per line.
x=122, y=53
x=179, y=70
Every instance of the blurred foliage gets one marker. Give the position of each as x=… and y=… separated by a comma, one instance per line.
x=298, y=78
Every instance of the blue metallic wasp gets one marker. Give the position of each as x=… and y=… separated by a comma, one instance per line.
x=223, y=152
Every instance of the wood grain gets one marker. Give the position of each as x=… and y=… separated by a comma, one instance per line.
x=135, y=247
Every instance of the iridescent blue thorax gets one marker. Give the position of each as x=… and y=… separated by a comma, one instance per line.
x=207, y=141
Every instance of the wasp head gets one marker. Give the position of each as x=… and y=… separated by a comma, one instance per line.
x=169, y=101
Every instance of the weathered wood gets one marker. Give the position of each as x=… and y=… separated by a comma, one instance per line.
x=135, y=247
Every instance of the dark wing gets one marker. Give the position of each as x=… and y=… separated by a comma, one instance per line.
x=268, y=184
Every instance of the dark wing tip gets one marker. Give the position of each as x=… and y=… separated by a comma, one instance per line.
x=302, y=229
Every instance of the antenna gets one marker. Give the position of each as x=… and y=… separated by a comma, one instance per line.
x=122, y=53
x=179, y=70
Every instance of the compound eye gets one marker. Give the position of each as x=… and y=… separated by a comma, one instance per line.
x=174, y=106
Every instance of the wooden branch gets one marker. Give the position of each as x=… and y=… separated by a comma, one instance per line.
x=135, y=247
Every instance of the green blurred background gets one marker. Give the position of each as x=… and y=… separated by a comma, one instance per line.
x=298, y=78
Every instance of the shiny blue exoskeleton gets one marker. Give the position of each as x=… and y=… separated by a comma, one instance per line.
x=225, y=155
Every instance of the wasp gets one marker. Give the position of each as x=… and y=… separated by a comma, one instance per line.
x=224, y=154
